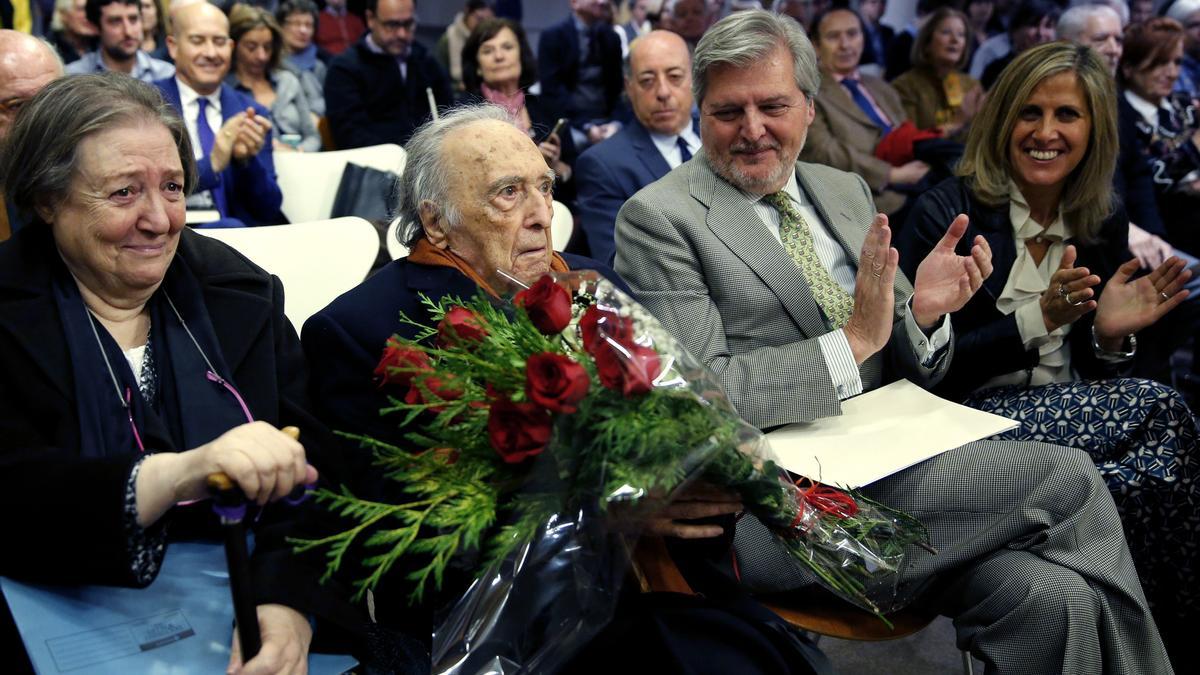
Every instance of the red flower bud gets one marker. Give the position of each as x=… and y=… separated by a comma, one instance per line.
x=446, y=390
x=400, y=364
x=460, y=325
x=555, y=382
x=629, y=368
x=518, y=431
x=597, y=324
x=547, y=304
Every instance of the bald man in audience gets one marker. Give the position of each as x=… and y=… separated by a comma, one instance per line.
x=26, y=65
x=663, y=135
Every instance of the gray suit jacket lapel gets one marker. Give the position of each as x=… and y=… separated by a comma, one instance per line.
x=732, y=218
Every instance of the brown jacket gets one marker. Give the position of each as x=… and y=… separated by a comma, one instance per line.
x=842, y=136
x=924, y=99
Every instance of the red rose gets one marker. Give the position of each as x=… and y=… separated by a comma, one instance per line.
x=597, y=324
x=400, y=364
x=547, y=304
x=443, y=390
x=518, y=431
x=629, y=368
x=460, y=325
x=555, y=382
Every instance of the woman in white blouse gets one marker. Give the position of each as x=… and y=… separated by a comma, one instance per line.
x=1061, y=305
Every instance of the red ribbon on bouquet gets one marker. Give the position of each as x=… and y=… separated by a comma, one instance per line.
x=823, y=498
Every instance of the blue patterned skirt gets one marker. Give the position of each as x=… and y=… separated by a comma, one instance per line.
x=1143, y=440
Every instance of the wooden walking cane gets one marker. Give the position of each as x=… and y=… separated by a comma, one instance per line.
x=230, y=504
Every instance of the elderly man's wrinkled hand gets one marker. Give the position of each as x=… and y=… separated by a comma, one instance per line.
x=1150, y=250
x=698, y=500
x=286, y=635
x=870, y=324
x=945, y=281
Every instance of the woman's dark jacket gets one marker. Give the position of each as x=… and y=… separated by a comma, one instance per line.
x=987, y=343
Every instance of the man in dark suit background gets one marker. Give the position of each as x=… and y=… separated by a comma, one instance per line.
x=376, y=91
x=658, y=81
x=230, y=132
x=579, y=61
x=779, y=276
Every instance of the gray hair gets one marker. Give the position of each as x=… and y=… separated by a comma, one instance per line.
x=426, y=174
x=743, y=38
x=1121, y=7
x=1074, y=21
x=38, y=157
x=1182, y=9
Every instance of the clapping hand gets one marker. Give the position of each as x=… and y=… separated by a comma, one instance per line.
x=1127, y=306
x=1069, y=295
x=945, y=281
x=870, y=324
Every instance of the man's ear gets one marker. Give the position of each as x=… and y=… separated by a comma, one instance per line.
x=434, y=224
x=171, y=47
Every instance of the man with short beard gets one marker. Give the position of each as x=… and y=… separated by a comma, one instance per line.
x=119, y=24
x=779, y=276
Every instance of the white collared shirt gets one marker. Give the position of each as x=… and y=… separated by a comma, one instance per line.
x=1022, y=294
x=1146, y=109
x=669, y=149
x=843, y=370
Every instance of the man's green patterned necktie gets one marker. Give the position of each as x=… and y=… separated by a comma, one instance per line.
x=798, y=242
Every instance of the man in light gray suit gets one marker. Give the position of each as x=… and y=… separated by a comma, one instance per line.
x=780, y=277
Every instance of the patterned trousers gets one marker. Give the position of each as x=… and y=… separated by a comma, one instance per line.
x=1143, y=440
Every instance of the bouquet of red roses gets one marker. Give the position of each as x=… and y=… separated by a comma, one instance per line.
x=535, y=429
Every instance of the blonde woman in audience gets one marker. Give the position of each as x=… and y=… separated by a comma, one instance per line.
x=256, y=71
x=1044, y=340
x=936, y=92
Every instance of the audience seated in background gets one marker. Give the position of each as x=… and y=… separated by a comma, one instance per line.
x=77, y=36
x=154, y=30
x=936, y=92
x=119, y=45
x=1060, y=305
x=338, y=29
x=663, y=135
x=462, y=233
x=1163, y=126
x=981, y=20
x=899, y=56
x=1187, y=13
x=877, y=36
x=105, y=321
x=499, y=68
x=753, y=262
x=638, y=24
x=854, y=112
x=803, y=11
x=297, y=19
x=258, y=72
x=1033, y=23
x=579, y=61
x=26, y=65
x=230, y=132
x=449, y=46
x=378, y=90
x=687, y=18
x=1140, y=11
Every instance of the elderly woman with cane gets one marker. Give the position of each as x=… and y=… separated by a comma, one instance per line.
x=139, y=359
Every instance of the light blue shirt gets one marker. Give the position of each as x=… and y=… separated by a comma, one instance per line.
x=145, y=68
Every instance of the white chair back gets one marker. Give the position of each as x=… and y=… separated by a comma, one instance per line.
x=562, y=224
x=309, y=180
x=394, y=248
x=317, y=261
